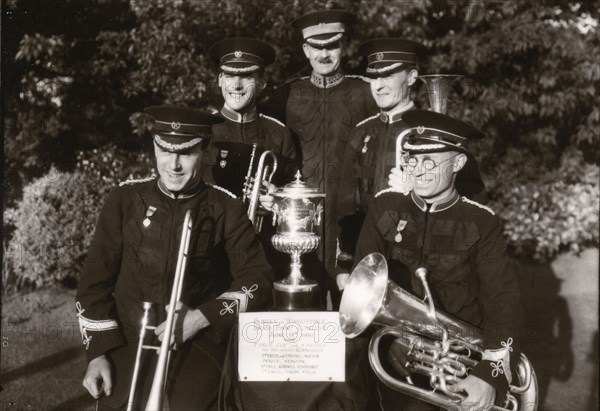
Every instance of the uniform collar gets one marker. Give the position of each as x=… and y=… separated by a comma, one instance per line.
x=189, y=193
x=395, y=114
x=239, y=117
x=437, y=206
x=326, y=81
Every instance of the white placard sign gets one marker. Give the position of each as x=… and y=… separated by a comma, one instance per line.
x=291, y=346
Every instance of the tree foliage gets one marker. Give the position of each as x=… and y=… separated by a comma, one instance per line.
x=78, y=73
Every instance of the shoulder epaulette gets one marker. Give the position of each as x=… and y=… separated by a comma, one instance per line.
x=273, y=119
x=367, y=119
x=389, y=190
x=224, y=190
x=357, y=76
x=136, y=181
x=476, y=204
x=292, y=80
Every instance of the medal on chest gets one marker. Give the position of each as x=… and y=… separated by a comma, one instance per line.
x=149, y=213
x=399, y=228
x=365, y=146
x=223, y=156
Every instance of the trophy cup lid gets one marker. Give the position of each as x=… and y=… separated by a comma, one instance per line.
x=298, y=189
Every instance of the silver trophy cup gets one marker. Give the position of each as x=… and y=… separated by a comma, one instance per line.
x=297, y=212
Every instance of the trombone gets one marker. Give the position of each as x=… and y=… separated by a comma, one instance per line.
x=156, y=397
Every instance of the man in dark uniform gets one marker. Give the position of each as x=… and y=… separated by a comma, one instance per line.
x=370, y=154
x=245, y=133
x=460, y=242
x=133, y=257
x=321, y=110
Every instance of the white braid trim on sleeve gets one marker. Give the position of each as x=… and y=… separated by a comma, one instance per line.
x=216, y=187
x=241, y=297
x=86, y=324
x=272, y=119
x=476, y=204
x=500, y=360
x=367, y=119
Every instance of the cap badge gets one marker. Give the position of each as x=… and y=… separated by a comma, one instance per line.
x=399, y=228
x=175, y=125
x=321, y=24
x=238, y=54
x=379, y=56
x=421, y=129
x=149, y=213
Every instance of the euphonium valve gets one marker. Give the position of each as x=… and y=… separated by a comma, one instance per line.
x=437, y=345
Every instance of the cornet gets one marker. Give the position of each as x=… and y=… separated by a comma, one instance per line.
x=251, y=191
x=156, y=397
x=438, y=346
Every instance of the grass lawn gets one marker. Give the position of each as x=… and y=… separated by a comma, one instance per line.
x=43, y=358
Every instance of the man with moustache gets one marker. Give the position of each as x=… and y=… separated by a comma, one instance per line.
x=132, y=260
x=460, y=243
x=321, y=110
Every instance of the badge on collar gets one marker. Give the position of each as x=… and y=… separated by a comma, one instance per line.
x=399, y=228
x=223, y=154
x=149, y=213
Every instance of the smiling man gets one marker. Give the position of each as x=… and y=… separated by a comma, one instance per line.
x=132, y=260
x=460, y=243
x=241, y=79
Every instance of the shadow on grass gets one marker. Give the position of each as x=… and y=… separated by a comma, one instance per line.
x=548, y=326
x=42, y=364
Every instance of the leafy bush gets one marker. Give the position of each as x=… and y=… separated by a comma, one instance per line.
x=54, y=221
x=556, y=213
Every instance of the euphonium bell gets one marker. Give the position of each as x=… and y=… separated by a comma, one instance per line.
x=438, y=346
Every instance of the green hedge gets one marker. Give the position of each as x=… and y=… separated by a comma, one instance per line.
x=52, y=225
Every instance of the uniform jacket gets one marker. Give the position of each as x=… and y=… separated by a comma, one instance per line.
x=322, y=112
x=133, y=256
x=461, y=243
x=228, y=156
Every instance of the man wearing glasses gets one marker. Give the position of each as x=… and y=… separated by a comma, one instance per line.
x=460, y=243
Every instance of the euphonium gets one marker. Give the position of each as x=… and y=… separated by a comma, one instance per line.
x=252, y=184
x=156, y=397
x=437, y=345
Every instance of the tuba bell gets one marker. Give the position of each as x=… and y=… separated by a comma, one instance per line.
x=438, y=87
x=252, y=184
x=440, y=347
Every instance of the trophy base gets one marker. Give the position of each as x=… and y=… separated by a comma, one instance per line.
x=288, y=297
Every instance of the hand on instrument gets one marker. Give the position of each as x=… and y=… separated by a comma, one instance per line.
x=98, y=378
x=397, y=357
x=188, y=322
x=266, y=198
x=341, y=280
x=480, y=394
x=400, y=180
